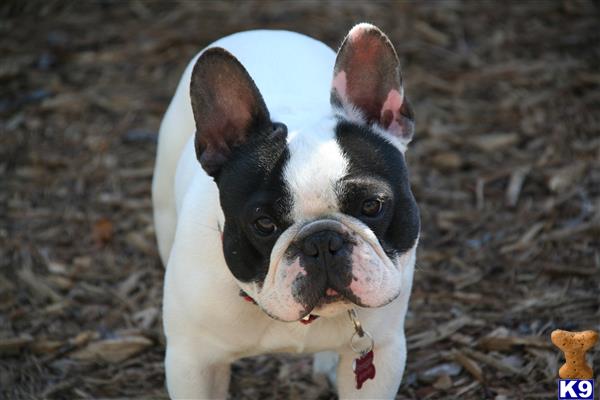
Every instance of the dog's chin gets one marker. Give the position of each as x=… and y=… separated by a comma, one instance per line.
x=330, y=305
x=332, y=308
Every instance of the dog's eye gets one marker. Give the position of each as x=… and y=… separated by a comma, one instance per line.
x=265, y=226
x=371, y=207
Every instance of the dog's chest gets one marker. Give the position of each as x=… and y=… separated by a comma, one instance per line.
x=297, y=338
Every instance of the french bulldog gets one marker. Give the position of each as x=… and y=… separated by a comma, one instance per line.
x=281, y=176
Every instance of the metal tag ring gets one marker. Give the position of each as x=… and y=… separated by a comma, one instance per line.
x=357, y=326
x=353, y=342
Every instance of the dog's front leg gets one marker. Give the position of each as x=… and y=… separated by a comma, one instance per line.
x=389, y=361
x=195, y=370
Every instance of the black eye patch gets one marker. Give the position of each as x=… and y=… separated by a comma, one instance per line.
x=377, y=168
x=252, y=180
x=355, y=190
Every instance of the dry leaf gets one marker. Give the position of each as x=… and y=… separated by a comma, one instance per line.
x=103, y=231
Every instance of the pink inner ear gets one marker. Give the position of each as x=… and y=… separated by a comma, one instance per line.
x=340, y=84
x=393, y=102
x=390, y=112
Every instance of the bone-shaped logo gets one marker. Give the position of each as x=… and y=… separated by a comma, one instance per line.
x=574, y=345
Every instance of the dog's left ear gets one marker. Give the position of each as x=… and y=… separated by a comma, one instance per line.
x=367, y=84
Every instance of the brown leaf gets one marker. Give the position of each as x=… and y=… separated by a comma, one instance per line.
x=103, y=231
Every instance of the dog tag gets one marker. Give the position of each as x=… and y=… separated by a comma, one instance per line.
x=363, y=366
x=363, y=369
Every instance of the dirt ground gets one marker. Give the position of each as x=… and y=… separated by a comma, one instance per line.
x=505, y=166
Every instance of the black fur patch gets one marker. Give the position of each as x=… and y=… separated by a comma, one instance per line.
x=377, y=169
x=251, y=185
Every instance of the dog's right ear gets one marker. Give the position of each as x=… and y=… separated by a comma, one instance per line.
x=228, y=108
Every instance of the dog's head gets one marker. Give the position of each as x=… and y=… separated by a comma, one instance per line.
x=323, y=219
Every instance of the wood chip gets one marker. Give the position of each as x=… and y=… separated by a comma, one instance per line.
x=437, y=333
x=38, y=288
x=446, y=160
x=495, y=141
x=504, y=166
x=431, y=34
x=569, y=175
x=112, y=350
x=513, y=191
x=9, y=346
x=466, y=389
x=468, y=364
x=525, y=240
x=493, y=362
x=506, y=343
x=570, y=270
x=444, y=382
x=141, y=242
x=45, y=346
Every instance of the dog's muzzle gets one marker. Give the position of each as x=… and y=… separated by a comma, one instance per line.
x=337, y=259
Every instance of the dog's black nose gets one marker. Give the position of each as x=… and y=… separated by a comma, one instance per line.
x=322, y=244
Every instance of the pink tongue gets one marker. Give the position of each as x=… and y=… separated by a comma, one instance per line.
x=331, y=292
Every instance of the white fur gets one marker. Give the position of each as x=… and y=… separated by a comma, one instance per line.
x=316, y=164
x=207, y=325
x=352, y=114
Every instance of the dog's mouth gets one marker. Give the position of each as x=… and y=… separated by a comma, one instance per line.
x=331, y=296
x=308, y=319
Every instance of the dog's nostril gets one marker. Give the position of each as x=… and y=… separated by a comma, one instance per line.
x=321, y=243
x=335, y=243
x=310, y=248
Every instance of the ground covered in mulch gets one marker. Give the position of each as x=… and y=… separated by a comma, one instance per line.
x=505, y=166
